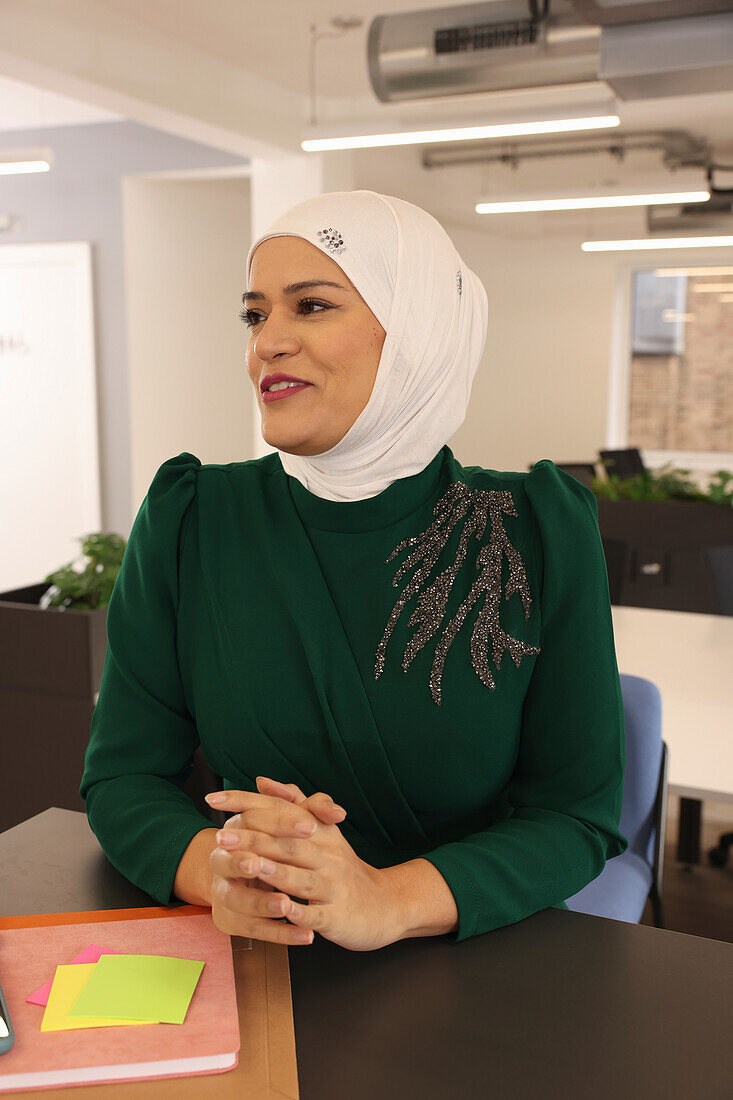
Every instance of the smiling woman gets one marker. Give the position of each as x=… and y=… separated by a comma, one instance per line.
x=332, y=343
x=359, y=619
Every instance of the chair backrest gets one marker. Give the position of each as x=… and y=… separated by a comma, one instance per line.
x=623, y=463
x=720, y=559
x=644, y=748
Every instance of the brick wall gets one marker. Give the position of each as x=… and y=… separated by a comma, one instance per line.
x=685, y=402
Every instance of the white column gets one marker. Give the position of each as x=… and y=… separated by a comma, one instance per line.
x=276, y=185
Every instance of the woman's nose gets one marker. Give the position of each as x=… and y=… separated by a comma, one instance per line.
x=275, y=337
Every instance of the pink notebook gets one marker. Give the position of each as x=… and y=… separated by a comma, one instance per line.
x=206, y=1042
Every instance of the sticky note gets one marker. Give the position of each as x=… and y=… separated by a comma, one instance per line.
x=139, y=987
x=67, y=984
x=88, y=955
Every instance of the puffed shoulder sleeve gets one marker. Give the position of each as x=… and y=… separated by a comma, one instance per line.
x=143, y=737
x=566, y=790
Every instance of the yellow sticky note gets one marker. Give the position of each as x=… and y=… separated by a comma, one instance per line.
x=68, y=983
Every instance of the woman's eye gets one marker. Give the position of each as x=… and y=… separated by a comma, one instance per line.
x=250, y=316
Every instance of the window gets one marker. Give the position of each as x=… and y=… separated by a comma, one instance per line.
x=680, y=383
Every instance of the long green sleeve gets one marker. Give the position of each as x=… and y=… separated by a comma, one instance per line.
x=567, y=786
x=142, y=735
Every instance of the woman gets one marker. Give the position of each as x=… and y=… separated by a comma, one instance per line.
x=358, y=617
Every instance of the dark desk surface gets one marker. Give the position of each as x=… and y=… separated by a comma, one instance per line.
x=560, y=1006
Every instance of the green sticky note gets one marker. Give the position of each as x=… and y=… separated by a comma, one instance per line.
x=139, y=987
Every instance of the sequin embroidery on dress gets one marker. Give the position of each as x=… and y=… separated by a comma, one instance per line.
x=477, y=505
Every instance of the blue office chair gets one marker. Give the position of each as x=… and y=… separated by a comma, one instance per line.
x=621, y=889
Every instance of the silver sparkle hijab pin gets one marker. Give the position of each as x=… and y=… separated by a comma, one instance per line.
x=332, y=240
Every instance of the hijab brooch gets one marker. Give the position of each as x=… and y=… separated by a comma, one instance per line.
x=332, y=240
x=477, y=505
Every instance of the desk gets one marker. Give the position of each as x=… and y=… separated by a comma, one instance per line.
x=560, y=1006
x=689, y=656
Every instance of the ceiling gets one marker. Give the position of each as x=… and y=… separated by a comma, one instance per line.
x=251, y=37
x=24, y=107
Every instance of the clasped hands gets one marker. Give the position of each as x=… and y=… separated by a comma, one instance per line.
x=280, y=843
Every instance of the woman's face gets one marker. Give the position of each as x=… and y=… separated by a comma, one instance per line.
x=325, y=335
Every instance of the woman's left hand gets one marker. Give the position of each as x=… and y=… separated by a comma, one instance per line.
x=349, y=901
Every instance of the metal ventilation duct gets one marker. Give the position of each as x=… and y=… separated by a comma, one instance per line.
x=611, y=12
x=698, y=217
x=485, y=47
x=671, y=57
x=490, y=47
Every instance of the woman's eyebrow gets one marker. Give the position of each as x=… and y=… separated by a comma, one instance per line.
x=291, y=288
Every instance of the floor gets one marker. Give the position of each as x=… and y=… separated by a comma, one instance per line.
x=698, y=899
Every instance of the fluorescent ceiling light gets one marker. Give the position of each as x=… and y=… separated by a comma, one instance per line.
x=13, y=168
x=687, y=185
x=599, y=115
x=711, y=288
x=591, y=202
x=652, y=245
x=16, y=161
x=671, y=271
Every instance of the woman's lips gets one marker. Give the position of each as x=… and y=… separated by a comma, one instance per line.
x=277, y=394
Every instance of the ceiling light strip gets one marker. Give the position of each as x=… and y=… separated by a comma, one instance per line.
x=13, y=168
x=460, y=133
x=670, y=272
x=590, y=202
x=652, y=245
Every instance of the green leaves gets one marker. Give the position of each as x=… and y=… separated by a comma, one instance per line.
x=87, y=585
x=666, y=484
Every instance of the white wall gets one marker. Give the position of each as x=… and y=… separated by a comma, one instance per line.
x=541, y=390
x=185, y=244
x=80, y=200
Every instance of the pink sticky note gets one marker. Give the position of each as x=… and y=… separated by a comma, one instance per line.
x=90, y=954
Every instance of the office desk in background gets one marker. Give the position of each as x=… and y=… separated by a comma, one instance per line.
x=689, y=657
x=560, y=1006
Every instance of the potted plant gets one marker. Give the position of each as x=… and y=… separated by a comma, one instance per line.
x=667, y=542
x=53, y=641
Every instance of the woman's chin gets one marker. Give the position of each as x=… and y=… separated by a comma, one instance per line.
x=294, y=446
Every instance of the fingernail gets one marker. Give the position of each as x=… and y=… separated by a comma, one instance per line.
x=275, y=906
x=305, y=828
x=227, y=840
x=246, y=866
x=215, y=799
x=266, y=867
x=302, y=937
x=296, y=911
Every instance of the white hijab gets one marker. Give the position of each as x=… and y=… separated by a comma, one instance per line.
x=434, y=311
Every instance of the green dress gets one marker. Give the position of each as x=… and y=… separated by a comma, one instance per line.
x=438, y=658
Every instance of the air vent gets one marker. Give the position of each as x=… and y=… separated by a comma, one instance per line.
x=485, y=36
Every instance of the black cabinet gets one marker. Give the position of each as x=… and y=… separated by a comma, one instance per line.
x=656, y=553
x=51, y=664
